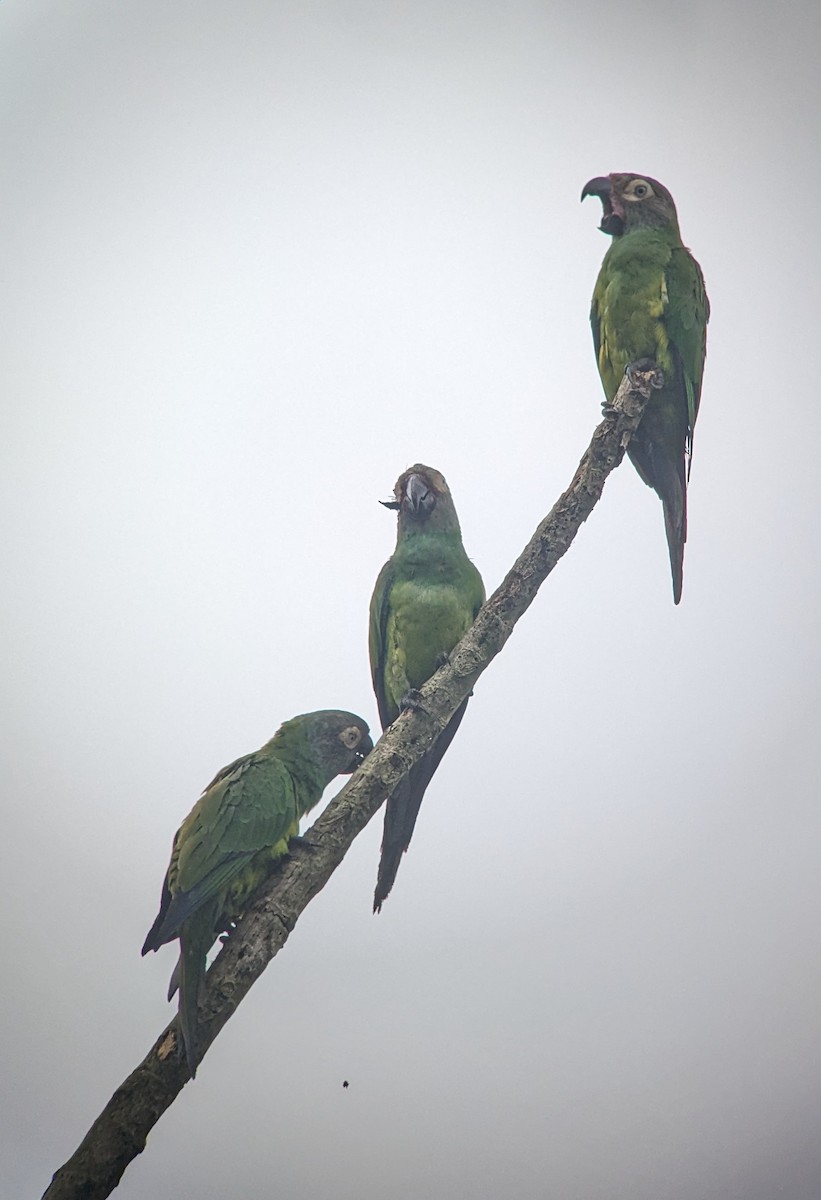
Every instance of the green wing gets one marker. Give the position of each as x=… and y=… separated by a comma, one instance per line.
x=252, y=807
x=685, y=318
x=378, y=641
x=247, y=809
x=477, y=591
x=595, y=324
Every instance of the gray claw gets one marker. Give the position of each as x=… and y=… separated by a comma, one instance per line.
x=645, y=366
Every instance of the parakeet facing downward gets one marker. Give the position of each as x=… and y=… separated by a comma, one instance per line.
x=241, y=823
x=649, y=302
x=426, y=597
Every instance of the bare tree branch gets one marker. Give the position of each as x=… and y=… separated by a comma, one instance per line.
x=119, y=1134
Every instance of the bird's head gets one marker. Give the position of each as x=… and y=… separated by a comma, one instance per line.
x=631, y=202
x=337, y=741
x=422, y=498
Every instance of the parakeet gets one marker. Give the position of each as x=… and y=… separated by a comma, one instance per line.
x=426, y=597
x=649, y=302
x=241, y=823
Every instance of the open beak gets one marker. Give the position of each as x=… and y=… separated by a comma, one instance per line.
x=612, y=221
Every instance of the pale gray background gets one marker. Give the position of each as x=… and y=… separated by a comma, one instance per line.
x=257, y=259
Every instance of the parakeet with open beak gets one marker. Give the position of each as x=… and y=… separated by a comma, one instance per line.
x=649, y=304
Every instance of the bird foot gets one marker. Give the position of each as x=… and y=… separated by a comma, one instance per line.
x=412, y=701
x=645, y=366
x=302, y=843
x=442, y=659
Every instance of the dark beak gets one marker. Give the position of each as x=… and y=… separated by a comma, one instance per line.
x=362, y=751
x=390, y=504
x=612, y=220
x=600, y=186
x=416, y=490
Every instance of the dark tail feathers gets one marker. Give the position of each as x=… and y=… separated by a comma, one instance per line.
x=403, y=806
x=667, y=478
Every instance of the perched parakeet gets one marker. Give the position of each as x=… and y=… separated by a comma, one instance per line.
x=649, y=302
x=426, y=597
x=240, y=824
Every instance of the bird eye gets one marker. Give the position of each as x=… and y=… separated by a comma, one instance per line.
x=350, y=737
x=641, y=190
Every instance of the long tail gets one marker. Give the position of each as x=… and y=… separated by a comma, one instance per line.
x=671, y=485
x=195, y=938
x=668, y=479
x=174, y=981
x=675, y=526
x=402, y=809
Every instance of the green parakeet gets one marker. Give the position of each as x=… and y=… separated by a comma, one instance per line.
x=241, y=823
x=426, y=597
x=649, y=302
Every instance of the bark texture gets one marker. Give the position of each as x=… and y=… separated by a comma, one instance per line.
x=120, y=1132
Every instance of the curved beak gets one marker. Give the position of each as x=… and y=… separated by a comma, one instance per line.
x=600, y=186
x=362, y=751
x=416, y=490
x=612, y=220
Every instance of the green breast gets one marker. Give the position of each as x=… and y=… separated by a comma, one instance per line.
x=426, y=622
x=629, y=302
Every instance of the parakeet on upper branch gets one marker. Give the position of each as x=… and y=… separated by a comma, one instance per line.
x=426, y=598
x=239, y=826
x=649, y=302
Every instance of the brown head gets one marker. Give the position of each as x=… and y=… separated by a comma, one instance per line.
x=631, y=202
x=423, y=500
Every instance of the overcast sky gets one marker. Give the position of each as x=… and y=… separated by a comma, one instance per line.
x=258, y=258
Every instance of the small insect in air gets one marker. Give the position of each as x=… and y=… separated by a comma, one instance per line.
x=344, y=1083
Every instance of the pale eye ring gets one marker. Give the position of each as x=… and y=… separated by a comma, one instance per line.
x=640, y=190
x=350, y=737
